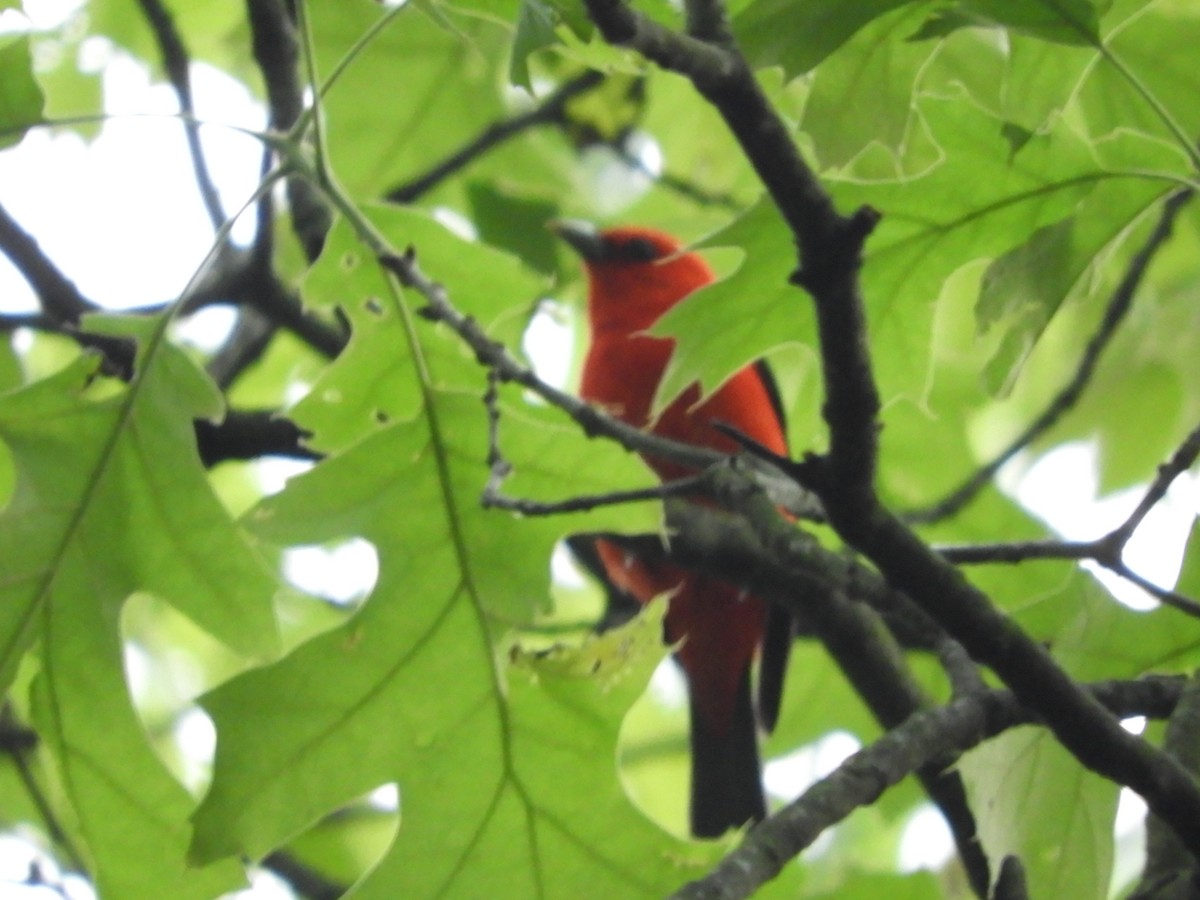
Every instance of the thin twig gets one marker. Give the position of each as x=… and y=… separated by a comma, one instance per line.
x=499, y=469
x=177, y=64
x=18, y=742
x=1181, y=460
x=1162, y=595
x=1013, y=552
x=495, y=356
x=678, y=185
x=549, y=111
x=683, y=487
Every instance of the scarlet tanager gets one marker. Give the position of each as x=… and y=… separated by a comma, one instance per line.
x=634, y=276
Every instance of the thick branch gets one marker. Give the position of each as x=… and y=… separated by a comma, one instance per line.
x=853, y=635
x=262, y=289
x=277, y=53
x=250, y=434
x=693, y=57
x=1170, y=870
x=946, y=731
x=1082, y=725
x=58, y=296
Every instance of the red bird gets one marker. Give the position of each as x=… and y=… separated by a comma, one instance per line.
x=634, y=276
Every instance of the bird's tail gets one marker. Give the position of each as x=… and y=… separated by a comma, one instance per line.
x=727, y=787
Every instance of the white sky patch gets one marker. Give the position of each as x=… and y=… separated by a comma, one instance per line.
x=138, y=668
x=456, y=223
x=273, y=474
x=18, y=852
x=207, y=329
x=926, y=842
x=611, y=182
x=264, y=885
x=386, y=797
x=789, y=776
x=40, y=15
x=563, y=568
x=343, y=573
x=667, y=685
x=196, y=737
x=98, y=209
x=549, y=342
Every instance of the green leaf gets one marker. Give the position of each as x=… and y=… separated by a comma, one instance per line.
x=608, y=112
x=978, y=203
x=20, y=97
x=443, y=90
x=487, y=776
x=1061, y=21
x=514, y=223
x=377, y=378
x=110, y=498
x=1188, y=583
x=1021, y=292
x=875, y=74
x=799, y=36
x=535, y=30
x=1148, y=43
x=1034, y=801
x=751, y=314
x=214, y=30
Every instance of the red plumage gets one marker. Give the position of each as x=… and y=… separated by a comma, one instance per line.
x=635, y=275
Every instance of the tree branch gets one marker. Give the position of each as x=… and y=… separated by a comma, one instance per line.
x=177, y=65
x=851, y=632
x=306, y=881
x=1181, y=460
x=949, y=730
x=493, y=355
x=57, y=295
x=18, y=742
x=277, y=52
x=250, y=434
x=499, y=469
x=1108, y=550
x=551, y=111
x=1167, y=861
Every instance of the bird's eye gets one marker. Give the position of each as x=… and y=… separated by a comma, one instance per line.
x=640, y=249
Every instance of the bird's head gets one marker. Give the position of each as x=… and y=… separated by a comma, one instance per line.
x=634, y=274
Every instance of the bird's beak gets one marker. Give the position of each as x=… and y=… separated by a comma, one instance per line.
x=583, y=237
